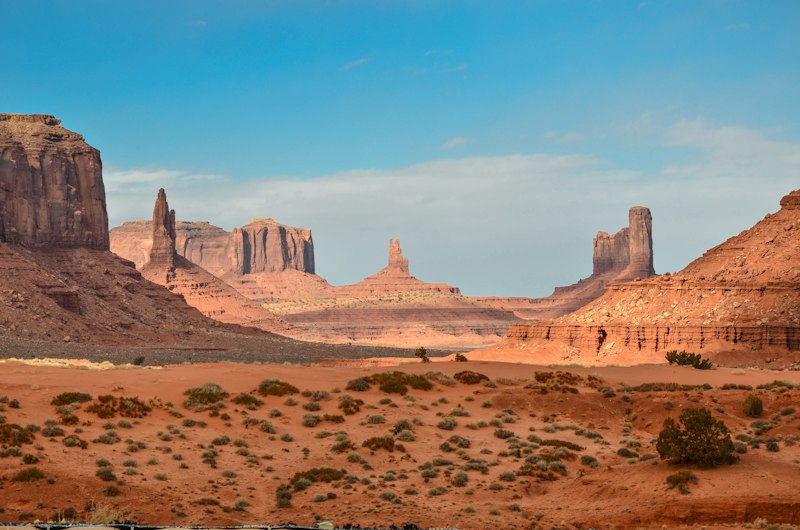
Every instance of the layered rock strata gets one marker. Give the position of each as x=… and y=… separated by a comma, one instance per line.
x=740, y=300
x=51, y=186
x=262, y=245
x=201, y=289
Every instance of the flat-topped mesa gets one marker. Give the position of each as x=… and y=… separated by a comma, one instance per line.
x=162, y=253
x=396, y=259
x=264, y=245
x=51, y=185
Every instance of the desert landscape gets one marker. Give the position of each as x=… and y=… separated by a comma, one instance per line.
x=214, y=365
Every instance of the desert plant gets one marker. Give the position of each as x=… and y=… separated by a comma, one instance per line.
x=703, y=441
x=68, y=398
x=683, y=358
x=422, y=354
x=469, y=377
x=753, y=406
x=30, y=474
x=206, y=397
x=276, y=387
x=460, y=358
x=681, y=480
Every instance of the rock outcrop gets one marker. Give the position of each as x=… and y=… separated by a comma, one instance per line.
x=51, y=186
x=201, y=289
x=738, y=301
x=619, y=257
x=262, y=245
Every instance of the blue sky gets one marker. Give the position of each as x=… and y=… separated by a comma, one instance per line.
x=494, y=138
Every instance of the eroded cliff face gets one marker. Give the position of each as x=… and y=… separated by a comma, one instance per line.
x=263, y=245
x=51, y=185
x=741, y=297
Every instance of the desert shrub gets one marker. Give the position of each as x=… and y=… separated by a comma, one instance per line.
x=405, y=436
x=276, y=387
x=683, y=358
x=507, y=476
x=349, y=405
x=753, y=406
x=283, y=496
x=342, y=446
x=589, y=460
x=627, y=453
x=206, y=397
x=468, y=377
x=318, y=474
x=311, y=420
x=438, y=490
x=358, y=385
x=460, y=358
x=312, y=406
x=30, y=474
x=459, y=441
x=68, y=398
x=105, y=473
x=13, y=434
x=562, y=443
x=460, y=479
x=503, y=434
x=108, y=406
x=402, y=425
x=398, y=382
x=29, y=459
x=382, y=442
x=441, y=378
x=772, y=446
x=703, y=441
x=681, y=480
x=333, y=418
x=422, y=354
x=112, y=491
x=448, y=423
x=375, y=419
x=248, y=400
x=74, y=441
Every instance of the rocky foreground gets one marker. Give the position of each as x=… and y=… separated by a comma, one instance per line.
x=506, y=446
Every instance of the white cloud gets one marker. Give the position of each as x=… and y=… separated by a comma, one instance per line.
x=452, y=143
x=355, y=64
x=515, y=225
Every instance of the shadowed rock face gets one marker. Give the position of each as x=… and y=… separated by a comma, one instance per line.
x=51, y=186
x=628, y=252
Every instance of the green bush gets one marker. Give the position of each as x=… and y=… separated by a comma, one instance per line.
x=318, y=474
x=398, y=382
x=461, y=358
x=422, y=354
x=30, y=474
x=468, y=377
x=753, y=406
x=703, y=441
x=68, y=398
x=683, y=358
x=12, y=434
x=276, y=387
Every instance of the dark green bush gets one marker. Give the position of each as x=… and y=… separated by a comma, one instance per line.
x=683, y=358
x=461, y=358
x=468, y=377
x=276, y=387
x=703, y=441
x=30, y=474
x=68, y=398
x=753, y=406
x=318, y=474
x=398, y=382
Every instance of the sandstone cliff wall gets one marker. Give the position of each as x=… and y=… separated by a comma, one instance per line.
x=51, y=186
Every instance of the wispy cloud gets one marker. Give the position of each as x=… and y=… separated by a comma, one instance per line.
x=452, y=143
x=355, y=64
x=728, y=177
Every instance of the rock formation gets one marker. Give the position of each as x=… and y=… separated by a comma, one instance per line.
x=51, y=186
x=739, y=300
x=262, y=245
x=623, y=256
x=201, y=289
x=396, y=259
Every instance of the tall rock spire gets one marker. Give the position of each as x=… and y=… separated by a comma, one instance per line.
x=163, y=252
x=396, y=259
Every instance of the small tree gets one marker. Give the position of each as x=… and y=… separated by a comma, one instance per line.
x=703, y=441
x=422, y=353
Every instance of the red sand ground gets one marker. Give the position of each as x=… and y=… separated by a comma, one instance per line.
x=625, y=493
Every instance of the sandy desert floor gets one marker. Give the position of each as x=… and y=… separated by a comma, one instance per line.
x=530, y=447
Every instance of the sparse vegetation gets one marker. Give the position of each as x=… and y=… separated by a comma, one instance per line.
x=681, y=480
x=753, y=406
x=703, y=441
x=276, y=387
x=683, y=358
x=469, y=377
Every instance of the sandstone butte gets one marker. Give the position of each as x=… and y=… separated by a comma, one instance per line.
x=738, y=304
x=390, y=307
x=62, y=290
x=201, y=289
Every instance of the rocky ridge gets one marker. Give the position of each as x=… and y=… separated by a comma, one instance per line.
x=739, y=300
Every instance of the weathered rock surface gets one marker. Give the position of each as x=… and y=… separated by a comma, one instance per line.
x=739, y=300
x=262, y=245
x=619, y=257
x=201, y=289
x=51, y=186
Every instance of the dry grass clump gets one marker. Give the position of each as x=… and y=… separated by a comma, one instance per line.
x=383, y=442
x=398, y=382
x=349, y=405
x=30, y=474
x=681, y=480
x=318, y=474
x=12, y=434
x=248, y=400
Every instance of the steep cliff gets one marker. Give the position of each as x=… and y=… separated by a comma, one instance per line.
x=739, y=300
x=262, y=245
x=51, y=186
